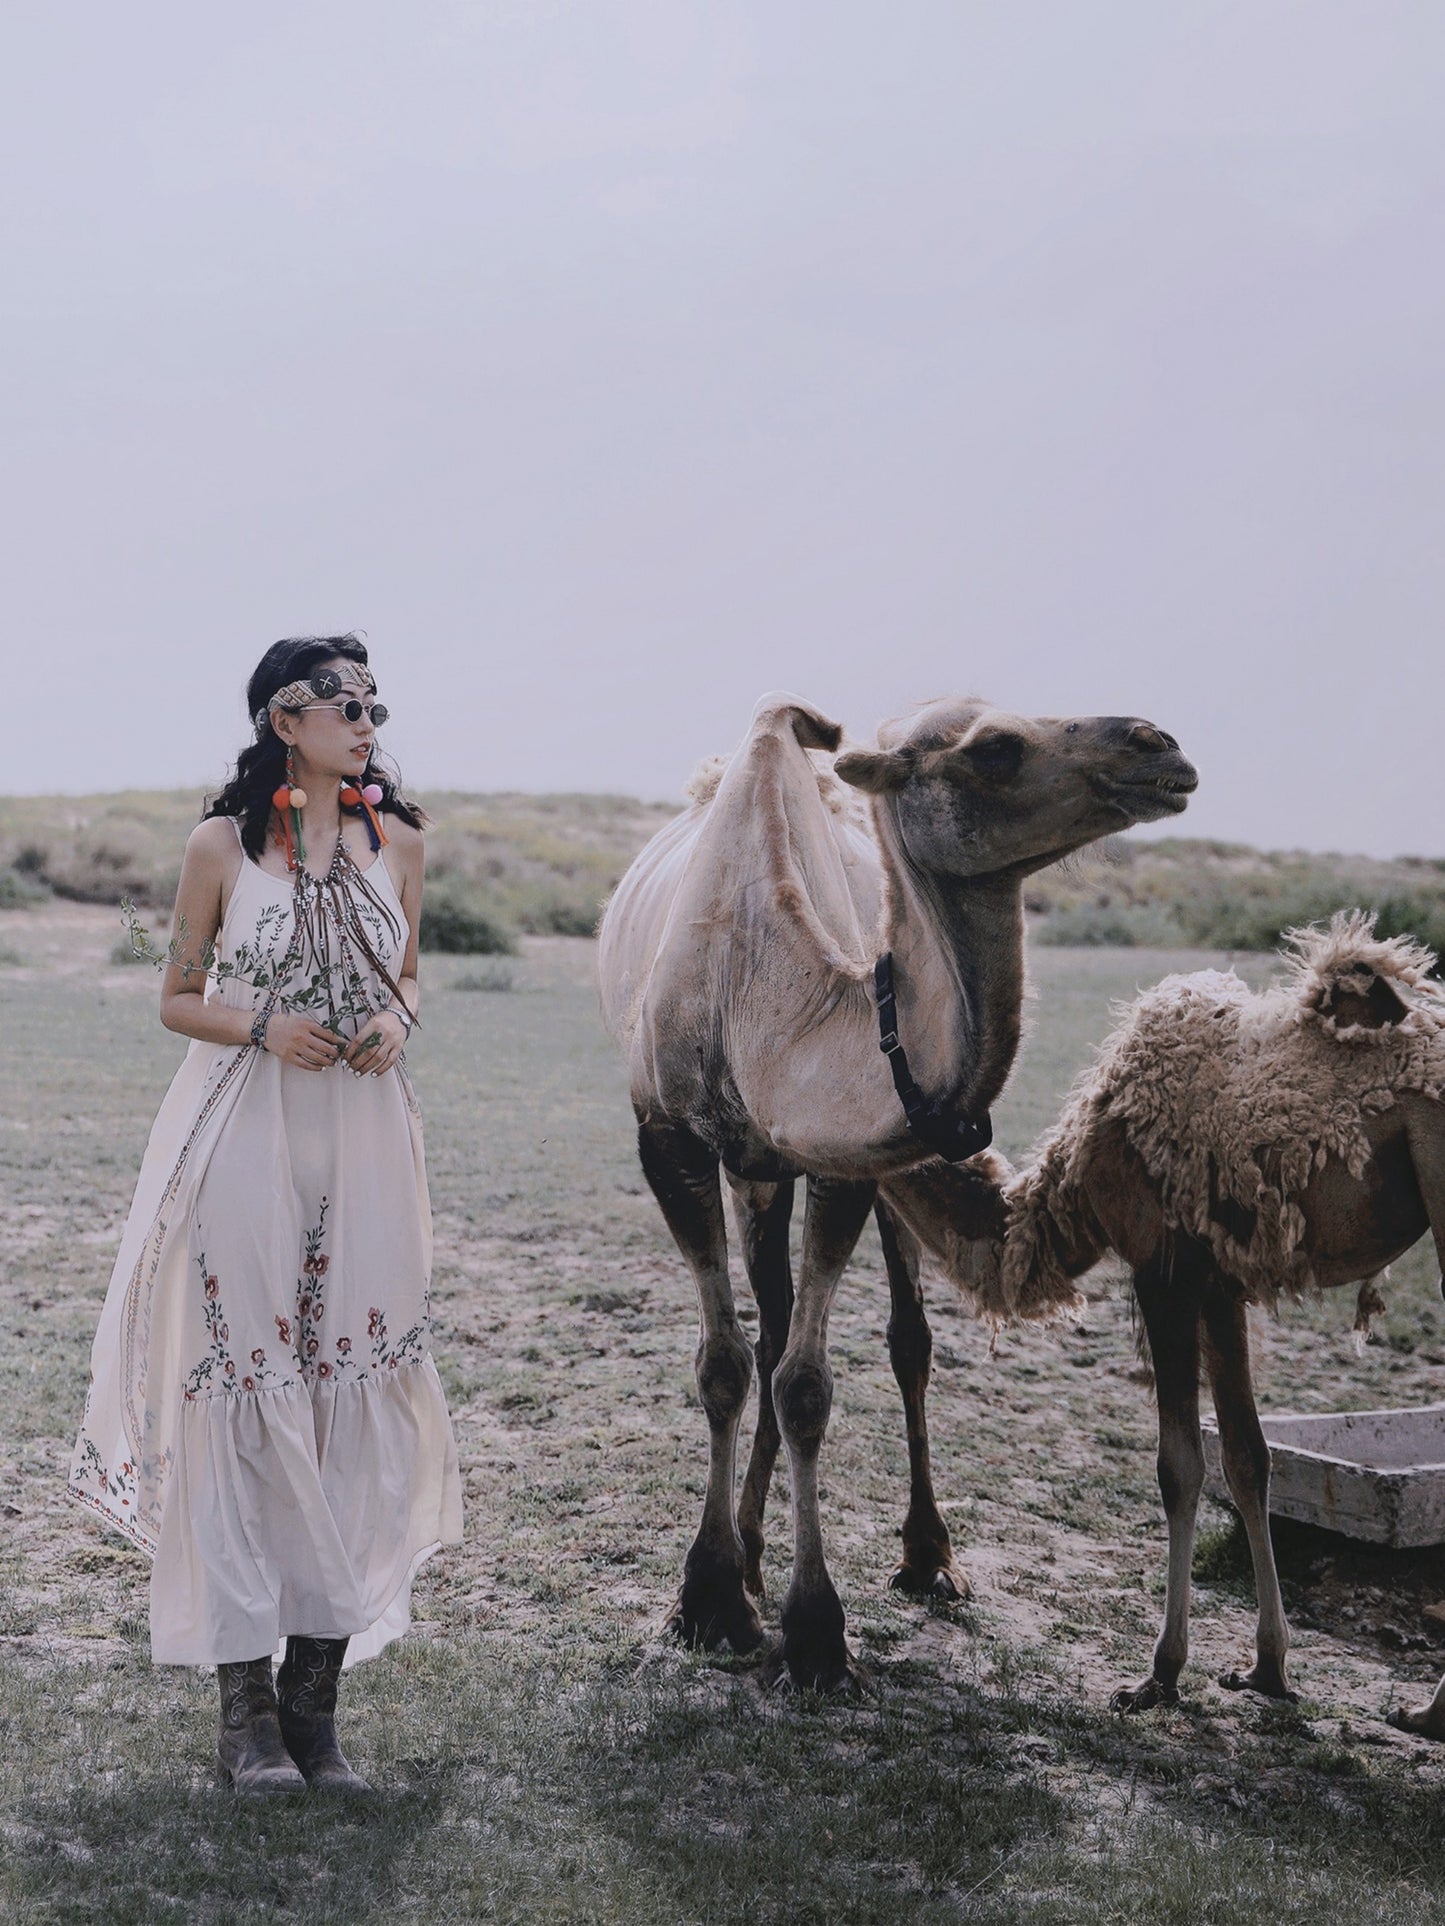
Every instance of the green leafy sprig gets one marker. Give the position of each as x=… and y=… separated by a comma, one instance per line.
x=330, y=996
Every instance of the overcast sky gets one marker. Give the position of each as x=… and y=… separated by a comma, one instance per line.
x=610, y=363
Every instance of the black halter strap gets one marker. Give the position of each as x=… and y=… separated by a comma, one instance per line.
x=946, y=1133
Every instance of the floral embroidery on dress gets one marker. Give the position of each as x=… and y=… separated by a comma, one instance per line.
x=119, y=1484
x=347, y=1365
x=218, y=1370
x=384, y=1354
x=310, y=1298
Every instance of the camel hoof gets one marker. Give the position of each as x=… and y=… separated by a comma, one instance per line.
x=939, y=1581
x=834, y=1678
x=1266, y=1680
x=1424, y=1722
x=1144, y=1698
x=753, y=1582
x=734, y=1624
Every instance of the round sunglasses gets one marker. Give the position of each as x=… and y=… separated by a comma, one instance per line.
x=354, y=710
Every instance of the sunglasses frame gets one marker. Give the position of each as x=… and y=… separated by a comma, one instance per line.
x=379, y=712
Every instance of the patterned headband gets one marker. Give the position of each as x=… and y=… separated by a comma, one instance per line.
x=320, y=687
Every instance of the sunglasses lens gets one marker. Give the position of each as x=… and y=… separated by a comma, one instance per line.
x=379, y=713
x=352, y=710
x=325, y=684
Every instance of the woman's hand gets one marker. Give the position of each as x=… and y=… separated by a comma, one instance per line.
x=296, y=1039
x=378, y=1044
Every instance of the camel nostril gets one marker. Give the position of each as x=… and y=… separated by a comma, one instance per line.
x=1151, y=740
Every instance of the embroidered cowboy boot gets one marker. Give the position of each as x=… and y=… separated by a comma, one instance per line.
x=248, y=1740
x=306, y=1690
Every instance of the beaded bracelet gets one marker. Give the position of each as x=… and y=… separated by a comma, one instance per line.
x=258, y=1027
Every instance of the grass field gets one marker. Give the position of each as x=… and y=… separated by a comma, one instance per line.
x=544, y=1754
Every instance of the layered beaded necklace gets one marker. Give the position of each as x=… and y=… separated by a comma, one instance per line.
x=331, y=935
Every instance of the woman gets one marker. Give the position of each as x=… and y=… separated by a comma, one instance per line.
x=264, y=1417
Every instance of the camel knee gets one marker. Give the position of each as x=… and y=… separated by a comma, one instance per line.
x=803, y=1398
x=1246, y=1464
x=1180, y=1467
x=724, y=1371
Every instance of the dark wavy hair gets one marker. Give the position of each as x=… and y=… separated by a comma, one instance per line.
x=261, y=766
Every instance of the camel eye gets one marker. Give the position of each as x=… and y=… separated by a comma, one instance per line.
x=996, y=757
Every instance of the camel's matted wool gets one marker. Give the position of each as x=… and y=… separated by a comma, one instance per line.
x=1235, y=1097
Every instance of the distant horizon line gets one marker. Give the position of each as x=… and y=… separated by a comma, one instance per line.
x=1141, y=832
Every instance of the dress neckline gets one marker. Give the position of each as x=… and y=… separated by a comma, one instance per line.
x=289, y=882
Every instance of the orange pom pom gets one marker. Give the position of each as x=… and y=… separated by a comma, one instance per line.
x=350, y=797
x=281, y=798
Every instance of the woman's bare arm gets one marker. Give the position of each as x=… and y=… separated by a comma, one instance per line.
x=209, y=865
x=208, y=870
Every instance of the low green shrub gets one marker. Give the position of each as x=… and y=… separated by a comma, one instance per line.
x=1218, y=896
x=1413, y=915
x=492, y=976
x=1238, y=921
x=456, y=925
x=19, y=890
x=1109, y=926
x=558, y=911
x=1222, y=1555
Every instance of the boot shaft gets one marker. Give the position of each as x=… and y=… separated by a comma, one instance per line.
x=247, y=1693
x=307, y=1681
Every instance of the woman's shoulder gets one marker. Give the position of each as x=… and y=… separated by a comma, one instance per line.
x=214, y=836
x=404, y=838
x=210, y=866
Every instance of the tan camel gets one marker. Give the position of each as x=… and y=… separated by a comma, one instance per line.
x=1230, y=1146
x=737, y=963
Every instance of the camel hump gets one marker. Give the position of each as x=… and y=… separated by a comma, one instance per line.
x=1352, y=982
x=810, y=726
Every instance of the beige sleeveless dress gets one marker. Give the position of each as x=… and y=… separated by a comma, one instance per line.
x=264, y=1417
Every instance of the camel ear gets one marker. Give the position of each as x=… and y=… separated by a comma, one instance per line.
x=993, y=753
x=874, y=770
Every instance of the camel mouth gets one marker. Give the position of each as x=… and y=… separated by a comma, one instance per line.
x=1147, y=798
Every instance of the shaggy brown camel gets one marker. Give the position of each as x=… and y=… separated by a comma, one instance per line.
x=1230, y=1146
x=738, y=963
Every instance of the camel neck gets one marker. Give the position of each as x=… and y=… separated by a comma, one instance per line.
x=957, y=948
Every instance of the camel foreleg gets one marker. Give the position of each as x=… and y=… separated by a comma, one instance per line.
x=927, y=1569
x=762, y=1213
x=1169, y=1305
x=814, y=1648
x=713, y=1606
x=1246, y=1466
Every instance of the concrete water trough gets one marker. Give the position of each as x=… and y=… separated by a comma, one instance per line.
x=1373, y=1475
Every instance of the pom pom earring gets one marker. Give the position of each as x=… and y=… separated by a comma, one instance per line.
x=366, y=800
x=288, y=802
